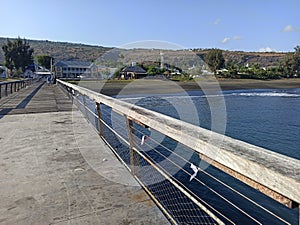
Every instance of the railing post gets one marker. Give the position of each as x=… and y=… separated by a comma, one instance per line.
x=84, y=103
x=130, y=130
x=69, y=93
x=100, y=127
x=134, y=157
x=6, y=85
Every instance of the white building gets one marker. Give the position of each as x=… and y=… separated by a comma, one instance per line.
x=75, y=69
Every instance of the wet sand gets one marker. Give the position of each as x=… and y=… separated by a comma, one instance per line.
x=166, y=86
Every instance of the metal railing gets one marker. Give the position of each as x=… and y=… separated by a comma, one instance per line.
x=239, y=187
x=9, y=87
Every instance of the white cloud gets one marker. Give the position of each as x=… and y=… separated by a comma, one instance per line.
x=236, y=37
x=267, y=49
x=217, y=21
x=225, y=40
x=290, y=28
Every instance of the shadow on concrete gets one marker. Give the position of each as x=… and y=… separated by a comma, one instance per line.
x=23, y=103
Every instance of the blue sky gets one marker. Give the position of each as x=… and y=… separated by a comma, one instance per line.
x=253, y=25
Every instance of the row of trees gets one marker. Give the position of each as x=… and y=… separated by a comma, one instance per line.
x=290, y=67
x=19, y=55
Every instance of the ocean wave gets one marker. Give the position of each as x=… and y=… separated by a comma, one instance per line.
x=266, y=94
x=243, y=94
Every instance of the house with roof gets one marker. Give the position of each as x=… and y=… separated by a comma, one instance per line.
x=133, y=72
x=75, y=69
x=3, y=73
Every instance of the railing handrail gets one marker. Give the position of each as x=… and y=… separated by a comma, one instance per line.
x=274, y=171
x=15, y=81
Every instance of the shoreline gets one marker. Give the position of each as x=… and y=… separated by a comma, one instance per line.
x=142, y=86
x=260, y=84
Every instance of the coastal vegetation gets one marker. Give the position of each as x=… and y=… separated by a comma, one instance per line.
x=288, y=67
x=45, y=61
x=16, y=54
x=215, y=60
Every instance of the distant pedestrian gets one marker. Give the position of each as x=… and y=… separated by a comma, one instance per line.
x=48, y=80
x=53, y=79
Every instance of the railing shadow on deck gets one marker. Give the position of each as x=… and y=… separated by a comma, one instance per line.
x=245, y=184
x=15, y=86
x=9, y=87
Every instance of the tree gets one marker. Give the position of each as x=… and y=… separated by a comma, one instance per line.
x=297, y=60
x=8, y=48
x=18, y=54
x=291, y=62
x=152, y=70
x=45, y=61
x=288, y=64
x=215, y=60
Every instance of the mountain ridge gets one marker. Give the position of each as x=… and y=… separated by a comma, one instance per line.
x=86, y=52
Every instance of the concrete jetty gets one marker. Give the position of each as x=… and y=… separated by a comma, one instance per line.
x=45, y=178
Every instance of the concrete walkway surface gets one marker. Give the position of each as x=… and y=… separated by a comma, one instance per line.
x=56, y=170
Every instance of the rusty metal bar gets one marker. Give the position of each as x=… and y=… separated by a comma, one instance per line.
x=137, y=122
x=265, y=190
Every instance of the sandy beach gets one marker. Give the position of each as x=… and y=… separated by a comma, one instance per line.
x=145, y=86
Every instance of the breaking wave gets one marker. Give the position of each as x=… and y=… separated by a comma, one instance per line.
x=267, y=94
x=225, y=94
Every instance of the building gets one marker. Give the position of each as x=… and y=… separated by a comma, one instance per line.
x=3, y=73
x=75, y=69
x=35, y=71
x=133, y=72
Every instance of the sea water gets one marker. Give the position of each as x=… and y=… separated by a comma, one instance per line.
x=269, y=118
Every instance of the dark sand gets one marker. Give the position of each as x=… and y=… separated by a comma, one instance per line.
x=166, y=86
